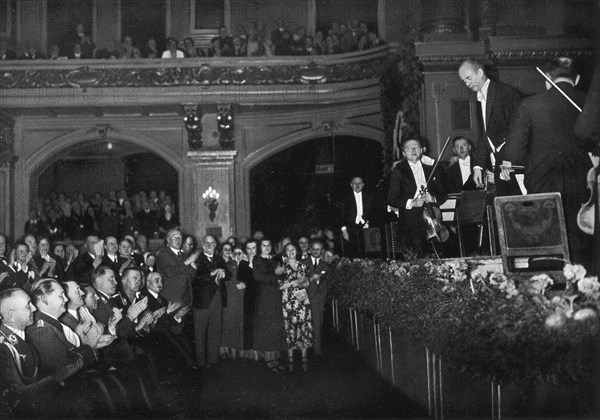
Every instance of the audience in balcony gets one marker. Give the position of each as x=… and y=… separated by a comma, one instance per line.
x=150, y=50
x=256, y=42
x=128, y=50
x=172, y=51
x=86, y=45
x=32, y=53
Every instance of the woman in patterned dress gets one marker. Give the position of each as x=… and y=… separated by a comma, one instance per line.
x=297, y=315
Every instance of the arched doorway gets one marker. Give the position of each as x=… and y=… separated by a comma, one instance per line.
x=300, y=188
x=98, y=170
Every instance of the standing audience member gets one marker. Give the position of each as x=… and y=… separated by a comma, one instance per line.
x=318, y=274
x=176, y=269
x=357, y=213
x=269, y=330
x=297, y=315
x=172, y=51
x=83, y=265
x=210, y=296
x=232, y=337
x=246, y=275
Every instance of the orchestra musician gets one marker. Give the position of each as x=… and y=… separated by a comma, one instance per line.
x=409, y=193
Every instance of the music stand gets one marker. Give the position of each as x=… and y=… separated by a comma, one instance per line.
x=532, y=232
x=474, y=208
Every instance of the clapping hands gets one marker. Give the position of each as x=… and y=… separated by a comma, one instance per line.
x=137, y=308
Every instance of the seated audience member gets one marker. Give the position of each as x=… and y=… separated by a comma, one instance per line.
x=109, y=52
x=238, y=47
x=70, y=254
x=90, y=298
x=111, y=257
x=128, y=50
x=298, y=41
x=216, y=49
x=284, y=47
x=309, y=47
x=253, y=45
x=71, y=318
x=190, y=51
x=22, y=268
x=80, y=270
x=330, y=47
x=54, y=53
x=129, y=295
x=34, y=226
x=151, y=51
x=172, y=51
x=147, y=220
x=76, y=53
x=6, y=52
x=47, y=263
x=459, y=176
x=167, y=221
x=59, y=255
x=56, y=344
x=363, y=44
x=32, y=53
x=347, y=38
x=149, y=263
x=374, y=40
x=25, y=391
x=55, y=226
x=225, y=40
x=320, y=43
x=166, y=315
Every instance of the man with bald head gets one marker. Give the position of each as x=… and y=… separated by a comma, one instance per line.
x=210, y=295
x=176, y=269
x=23, y=390
x=497, y=104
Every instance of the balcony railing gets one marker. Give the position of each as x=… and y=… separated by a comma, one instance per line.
x=216, y=71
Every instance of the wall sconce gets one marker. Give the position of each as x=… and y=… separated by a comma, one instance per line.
x=193, y=125
x=225, y=126
x=211, y=200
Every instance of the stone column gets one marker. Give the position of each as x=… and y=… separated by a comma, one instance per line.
x=215, y=169
x=7, y=160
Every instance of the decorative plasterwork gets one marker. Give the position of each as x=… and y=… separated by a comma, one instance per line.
x=202, y=75
x=7, y=139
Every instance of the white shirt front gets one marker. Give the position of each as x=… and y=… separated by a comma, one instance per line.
x=465, y=168
x=359, y=208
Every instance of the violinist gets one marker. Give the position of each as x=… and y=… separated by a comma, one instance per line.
x=409, y=192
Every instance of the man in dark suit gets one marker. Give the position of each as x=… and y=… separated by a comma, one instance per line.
x=319, y=274
x=357, y=212
x=23, y=390
x=409, y=192
x=83, y=265
x=111, y=257
x=84, y=41
x=75, y=295
x=210, y=295
x=177, y=270
x=497, y=105
x=167, y=315
x=459, y=176
x=542, y=138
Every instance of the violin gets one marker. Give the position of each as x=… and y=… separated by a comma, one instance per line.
x=433, y=216
x=585, y=217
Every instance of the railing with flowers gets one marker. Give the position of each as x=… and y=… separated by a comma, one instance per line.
x=505, y=329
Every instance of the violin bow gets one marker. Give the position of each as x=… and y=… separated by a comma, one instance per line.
x=435, y=165
x=554, y=85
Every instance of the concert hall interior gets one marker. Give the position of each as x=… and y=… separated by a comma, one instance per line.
x=263, y=159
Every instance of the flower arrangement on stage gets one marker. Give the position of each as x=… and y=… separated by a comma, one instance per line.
x=506, y=328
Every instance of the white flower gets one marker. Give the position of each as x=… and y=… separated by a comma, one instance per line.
x=576, y=272
x=589, y=286
x=540, y=282
x=555, y=320
x=584, y=314
x=479, y=273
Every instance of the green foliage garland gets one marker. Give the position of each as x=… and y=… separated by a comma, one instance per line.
x=486, y=325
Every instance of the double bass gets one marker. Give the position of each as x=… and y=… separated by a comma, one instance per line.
x=585, y=217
